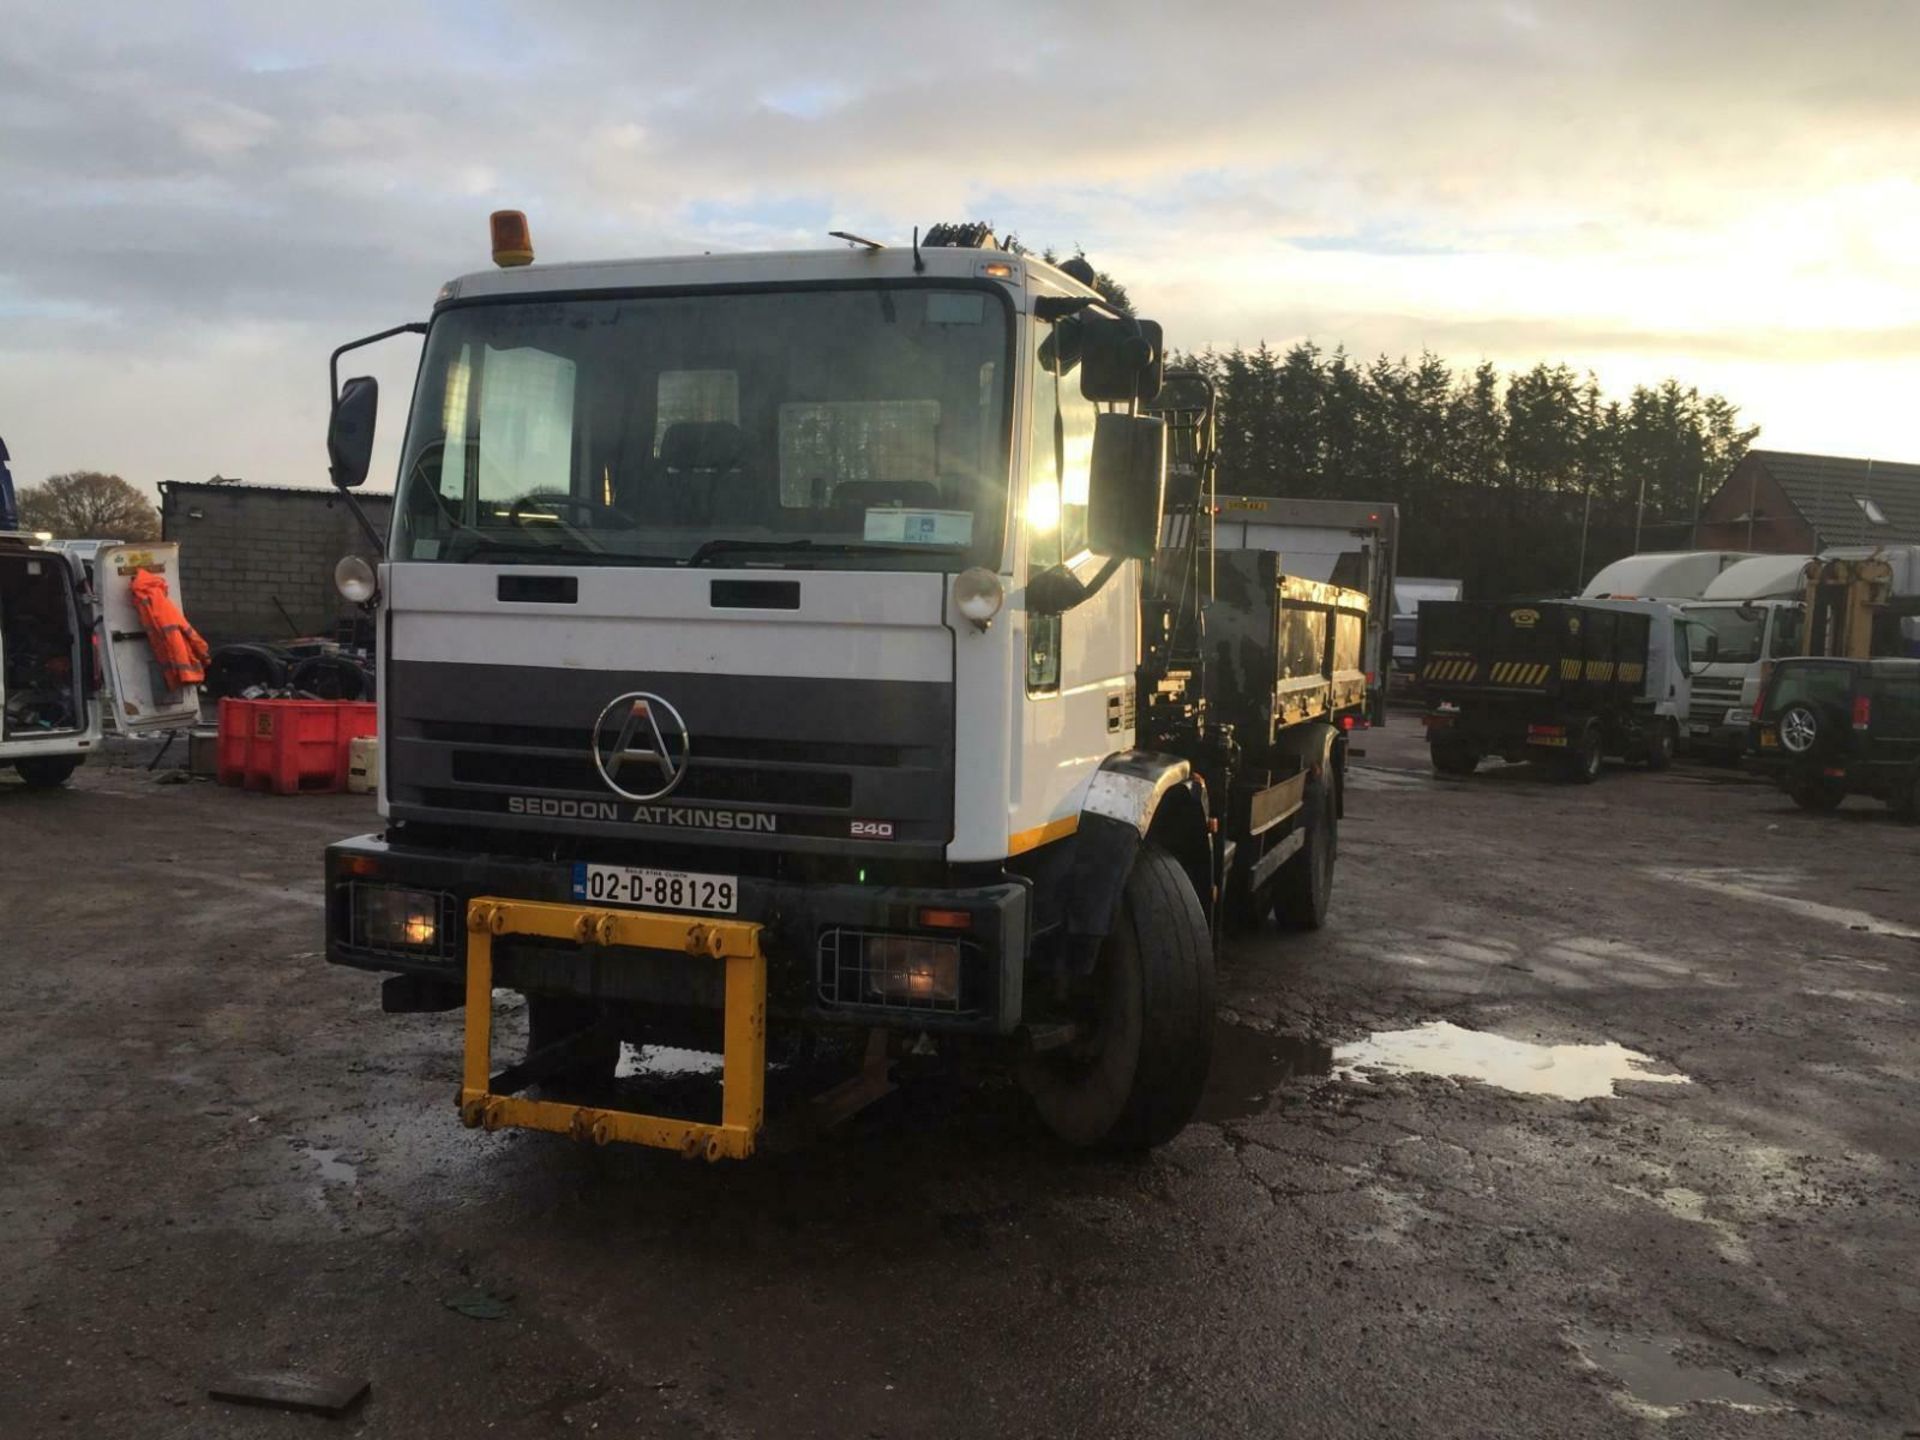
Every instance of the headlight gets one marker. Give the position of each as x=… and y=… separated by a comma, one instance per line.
x=354, y=579
x=386, y=917
x=977, y=594
x=904, y=969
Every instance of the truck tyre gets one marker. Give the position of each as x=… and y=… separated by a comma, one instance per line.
x=1453, y=757
x=1663, y=740
x=1904, y=799
x=1584, y=747
x=44, y=772
x=1818, y=796
x=550, y=1019
x=1303, y=890
x=1138, y=1078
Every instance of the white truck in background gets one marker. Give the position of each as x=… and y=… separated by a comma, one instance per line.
x=1752, y=615
x=1353, y=543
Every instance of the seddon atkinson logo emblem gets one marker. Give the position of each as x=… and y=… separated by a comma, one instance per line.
x=642, y=739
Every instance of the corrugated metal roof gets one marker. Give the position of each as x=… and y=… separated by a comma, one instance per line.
x=1828, y=491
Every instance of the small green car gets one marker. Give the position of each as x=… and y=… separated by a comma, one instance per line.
x=1827, y=729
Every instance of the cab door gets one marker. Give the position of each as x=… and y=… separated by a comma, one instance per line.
x=138, y=700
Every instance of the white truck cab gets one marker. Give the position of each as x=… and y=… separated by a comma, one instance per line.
x=74, y=658
x=1750, y=615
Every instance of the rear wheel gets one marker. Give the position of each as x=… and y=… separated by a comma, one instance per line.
x=1139, y=1075
x=1817, y=795
x=1453, y=757
x=1904, y=800
x=1303, y=890
x=1584, y=746
x=44, y=772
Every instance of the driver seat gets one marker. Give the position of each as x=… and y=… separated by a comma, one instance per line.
x=698, y=475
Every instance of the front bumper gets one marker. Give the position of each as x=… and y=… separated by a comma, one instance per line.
x=807, y=928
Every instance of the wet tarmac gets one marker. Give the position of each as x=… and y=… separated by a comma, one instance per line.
x=1392, y=1217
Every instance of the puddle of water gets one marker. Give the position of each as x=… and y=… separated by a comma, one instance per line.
x=1565, y=1072
x=333, y=1170
x=664, y=1060
x=1249, y=1065
x=1659, y=1381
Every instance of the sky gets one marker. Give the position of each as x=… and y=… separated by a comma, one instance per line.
x=202, y=199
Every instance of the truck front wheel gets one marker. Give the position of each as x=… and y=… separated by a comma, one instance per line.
x=1303, y=890
x=1137, y=1077
x=1584, y=748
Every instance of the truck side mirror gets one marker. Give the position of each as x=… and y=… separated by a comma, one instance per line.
x=350, y=431
x=1126, y=485
x=1710, y=651
x=1121, y=361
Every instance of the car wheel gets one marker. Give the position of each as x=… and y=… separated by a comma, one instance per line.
x=1453, y=757
x=1139, y=1075
x=46, y=772
x=1799, y=727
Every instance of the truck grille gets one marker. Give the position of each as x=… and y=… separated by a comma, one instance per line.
x=770, y=757
x=1712, y=698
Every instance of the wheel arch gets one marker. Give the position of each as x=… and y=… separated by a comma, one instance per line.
x=1135, y=796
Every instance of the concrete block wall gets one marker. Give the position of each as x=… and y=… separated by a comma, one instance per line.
x=244, y=546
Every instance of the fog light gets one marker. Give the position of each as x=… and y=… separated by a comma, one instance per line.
x=917, y=971
x=386, y=917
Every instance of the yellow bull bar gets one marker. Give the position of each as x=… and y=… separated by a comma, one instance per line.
x=734, y=943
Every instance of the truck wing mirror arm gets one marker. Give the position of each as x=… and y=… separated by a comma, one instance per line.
x=1058, y=590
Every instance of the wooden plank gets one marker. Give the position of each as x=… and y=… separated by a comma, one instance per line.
x=310, y=1393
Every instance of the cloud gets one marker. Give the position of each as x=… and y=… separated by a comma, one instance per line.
x=202, y=199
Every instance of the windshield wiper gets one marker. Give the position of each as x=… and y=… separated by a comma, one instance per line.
x=813, y=547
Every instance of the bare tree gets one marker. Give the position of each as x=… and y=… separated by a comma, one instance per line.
x=87, y=504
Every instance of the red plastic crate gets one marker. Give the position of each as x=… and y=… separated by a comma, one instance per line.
x=291, y=746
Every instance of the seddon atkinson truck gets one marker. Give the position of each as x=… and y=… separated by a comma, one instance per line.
x=784, y=645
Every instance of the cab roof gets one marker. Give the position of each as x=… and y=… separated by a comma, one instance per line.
x=765, y=268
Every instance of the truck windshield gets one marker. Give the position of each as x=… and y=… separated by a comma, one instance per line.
x=845, y=428
x=1741, y=634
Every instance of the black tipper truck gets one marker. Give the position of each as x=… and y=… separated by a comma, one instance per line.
x=1562, y=680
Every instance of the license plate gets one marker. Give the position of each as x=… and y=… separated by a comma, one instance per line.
x=1558, y=741
x=656, y=889
x=1699, y=729
x=1768, y=739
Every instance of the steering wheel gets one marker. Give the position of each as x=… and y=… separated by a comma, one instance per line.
x=603, y=517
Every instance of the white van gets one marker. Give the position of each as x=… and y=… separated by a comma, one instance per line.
x=74, y=658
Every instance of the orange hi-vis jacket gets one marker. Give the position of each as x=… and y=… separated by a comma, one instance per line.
x=176, y=644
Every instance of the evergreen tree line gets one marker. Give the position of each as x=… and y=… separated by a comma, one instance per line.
x=1496, y=475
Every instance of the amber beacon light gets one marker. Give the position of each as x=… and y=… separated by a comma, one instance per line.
x=512, y=240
